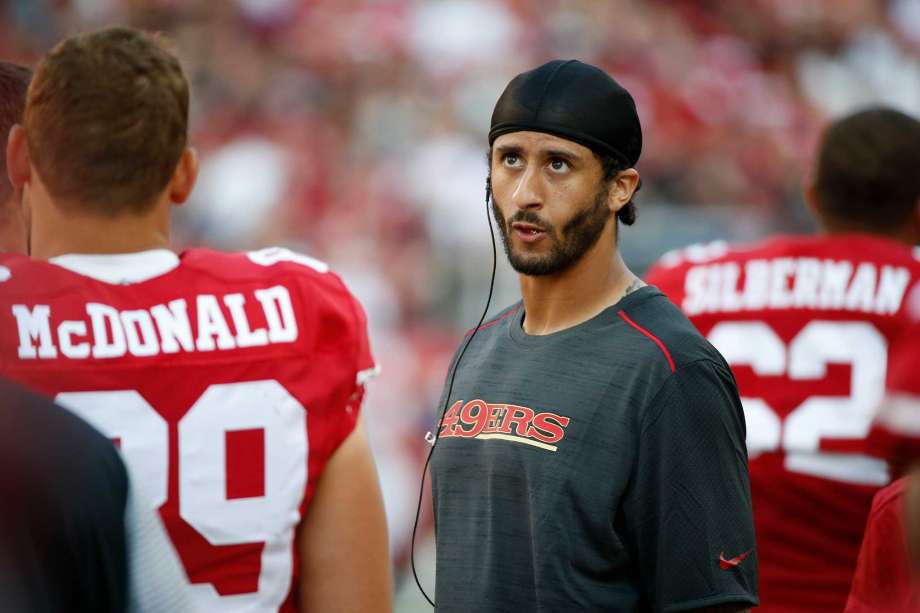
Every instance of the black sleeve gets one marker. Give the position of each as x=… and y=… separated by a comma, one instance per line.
x=63, y=494
x=688, y=515
x=92, y=523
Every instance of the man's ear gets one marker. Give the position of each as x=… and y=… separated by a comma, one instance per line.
x=622, y=188
x=18, y=160
x=183, y=179
x=811, y=199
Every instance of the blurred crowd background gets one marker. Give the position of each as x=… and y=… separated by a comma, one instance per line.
x=355, y=131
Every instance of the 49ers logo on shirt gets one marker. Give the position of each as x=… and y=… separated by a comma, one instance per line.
x=509, y=422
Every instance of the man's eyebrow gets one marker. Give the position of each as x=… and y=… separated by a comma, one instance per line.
x=504, y=149
x=550, y=153
x=562, y=153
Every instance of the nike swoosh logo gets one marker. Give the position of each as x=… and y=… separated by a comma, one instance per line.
x=734, y=562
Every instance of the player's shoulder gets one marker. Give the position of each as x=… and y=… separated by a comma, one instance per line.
x=22, y=276
x=501, y=319
x=494, y=331
x=670, y=270
x=869, y=248
x=273, y=264
x=675, y=260
x=845, y=246
x=268, y=262
x=667, y=330
x=10, y=262
x=890, y=498
x=8, y=258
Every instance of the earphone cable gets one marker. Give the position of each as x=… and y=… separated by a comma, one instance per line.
x=450, y=387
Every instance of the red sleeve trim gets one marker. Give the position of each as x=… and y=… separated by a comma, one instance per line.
x=494, y=321
x=654, y=338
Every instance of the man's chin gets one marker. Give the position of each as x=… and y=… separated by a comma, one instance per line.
x=539, y=266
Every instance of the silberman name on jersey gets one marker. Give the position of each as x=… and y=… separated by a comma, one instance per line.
x=802, y=282
x=165, y=328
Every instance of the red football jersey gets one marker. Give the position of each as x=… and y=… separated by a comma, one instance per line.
x=895, y=433
x=883, y=581
x=227, y=380
x=806, y=323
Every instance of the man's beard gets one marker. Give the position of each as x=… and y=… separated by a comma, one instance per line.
x=578, y=235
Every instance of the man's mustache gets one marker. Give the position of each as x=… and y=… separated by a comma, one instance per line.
x=531, y=218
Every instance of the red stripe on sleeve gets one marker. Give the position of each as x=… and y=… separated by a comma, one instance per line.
x=654, y=338
x=494, y=321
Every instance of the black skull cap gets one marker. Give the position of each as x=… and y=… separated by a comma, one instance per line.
x=575, y=101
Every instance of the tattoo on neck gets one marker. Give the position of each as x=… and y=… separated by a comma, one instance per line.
x=636, y=284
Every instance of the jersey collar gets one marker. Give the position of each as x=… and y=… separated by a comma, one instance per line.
x=119, y=268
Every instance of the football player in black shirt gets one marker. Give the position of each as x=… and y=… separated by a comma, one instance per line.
x=592, y=453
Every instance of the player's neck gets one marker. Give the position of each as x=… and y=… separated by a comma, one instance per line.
x=13, y=227
x=56, y=232
x=556, y=302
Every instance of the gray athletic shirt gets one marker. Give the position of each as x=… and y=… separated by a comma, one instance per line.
x=600, y=468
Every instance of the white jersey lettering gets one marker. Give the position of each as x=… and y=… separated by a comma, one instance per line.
x=173, y=325
x=66, y=331
x=107, y=332
x=211, y=323
x=244, y=336
x=784, y=282
x=106, y=318
x=34, y=324
x=279, y=313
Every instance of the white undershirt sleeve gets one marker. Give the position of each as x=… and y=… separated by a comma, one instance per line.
x=156, y=580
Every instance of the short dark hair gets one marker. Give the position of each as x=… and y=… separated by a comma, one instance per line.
x=14, y=83
x=612, y=166
x=867, y=174
x=107, y=120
